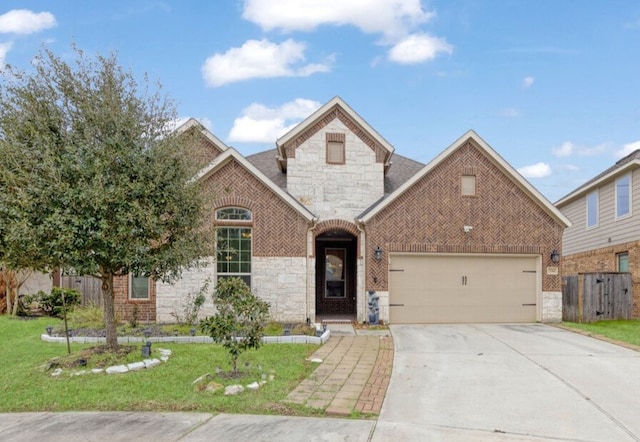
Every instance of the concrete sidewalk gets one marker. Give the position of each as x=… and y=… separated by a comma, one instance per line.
x=191, y=427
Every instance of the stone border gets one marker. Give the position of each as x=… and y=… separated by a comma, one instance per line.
x=294, y=339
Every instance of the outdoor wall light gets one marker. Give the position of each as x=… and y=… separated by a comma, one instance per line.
x=377, y=253
x=555, y=256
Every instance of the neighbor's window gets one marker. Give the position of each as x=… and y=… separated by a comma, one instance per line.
x=233, y=255
x=468, y=185
x=335, y=148
x=623, y=196
x=592, y=209
x=623, y=261
x=138, y=287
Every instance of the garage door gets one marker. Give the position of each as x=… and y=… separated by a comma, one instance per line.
x=462, y=288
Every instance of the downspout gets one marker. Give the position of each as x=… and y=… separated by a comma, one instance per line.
x=363, y=246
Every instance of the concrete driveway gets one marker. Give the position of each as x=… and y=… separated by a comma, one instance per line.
x=509, y=382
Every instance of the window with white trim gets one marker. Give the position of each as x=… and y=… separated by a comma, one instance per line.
x=623, y=196
x=233, y=244
x=138, y=287
x=592, y=209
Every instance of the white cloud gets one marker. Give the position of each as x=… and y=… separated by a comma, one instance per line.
x=23, y=21
x=627, y=149
x=568, y=149
x=4, y=48
x=527, y=82
x=538, y=170
x=261, y=124
x=418, y=48
x=260, y=59
x=510, y=112
x=391, y=18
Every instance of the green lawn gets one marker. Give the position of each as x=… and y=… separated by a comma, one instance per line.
x=621, y=330
x=26, y=386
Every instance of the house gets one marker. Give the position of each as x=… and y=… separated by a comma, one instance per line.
x=332, y=224
x=605, y=231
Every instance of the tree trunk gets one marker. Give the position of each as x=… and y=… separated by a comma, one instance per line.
x=109, y=310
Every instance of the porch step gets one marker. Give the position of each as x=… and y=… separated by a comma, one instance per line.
x=336, y=321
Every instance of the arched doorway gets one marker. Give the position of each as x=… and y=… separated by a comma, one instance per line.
x=336, y=275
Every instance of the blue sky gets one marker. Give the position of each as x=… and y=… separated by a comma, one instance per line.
x=553, y=86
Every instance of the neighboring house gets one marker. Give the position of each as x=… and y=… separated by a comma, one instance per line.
x=605, y=235
x=331, y=220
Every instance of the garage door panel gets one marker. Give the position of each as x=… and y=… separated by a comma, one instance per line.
x=452, y=288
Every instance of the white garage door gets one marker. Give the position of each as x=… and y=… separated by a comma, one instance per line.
x=462, y=288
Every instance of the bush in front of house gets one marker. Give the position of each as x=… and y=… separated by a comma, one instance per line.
x=51, y=303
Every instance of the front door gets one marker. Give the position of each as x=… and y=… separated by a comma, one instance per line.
x=336, y=274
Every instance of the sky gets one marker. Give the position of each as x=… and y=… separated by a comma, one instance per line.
x=552, y=86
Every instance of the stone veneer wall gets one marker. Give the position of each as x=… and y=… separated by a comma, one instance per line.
x=279, y=281
x=551, y=306
x=333, y=191
x=605, y=260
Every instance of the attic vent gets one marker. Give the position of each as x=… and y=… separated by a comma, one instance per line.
x=468, y=185
x=335, y=148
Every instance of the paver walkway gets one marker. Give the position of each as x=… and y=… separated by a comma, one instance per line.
x=353, y=376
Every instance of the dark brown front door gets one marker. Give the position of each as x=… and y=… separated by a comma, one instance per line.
x=336, y=274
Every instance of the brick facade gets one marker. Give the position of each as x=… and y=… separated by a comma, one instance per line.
x=605, y=260
x=429, y=218
x=139, y=310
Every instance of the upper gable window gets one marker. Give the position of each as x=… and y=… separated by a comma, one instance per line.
x=233, y=214
x=623, y=196
x=592, y=209
x=468, y=185
x=335, y=148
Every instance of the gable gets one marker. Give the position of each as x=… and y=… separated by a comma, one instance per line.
x=205, y=146
x=483, y=154
x=335, y=109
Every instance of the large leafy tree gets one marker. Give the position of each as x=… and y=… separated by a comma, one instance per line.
x=92, y=176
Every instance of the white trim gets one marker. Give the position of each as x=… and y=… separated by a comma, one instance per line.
x=131, y=288
x=582, y=190
x=232, y=154
x=628, y=214
x=493, y=155
x=192, y=122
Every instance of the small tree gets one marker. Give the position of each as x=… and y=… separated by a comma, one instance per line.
x=93, y=176
x=239, y=320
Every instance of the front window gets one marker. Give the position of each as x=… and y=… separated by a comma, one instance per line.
x=138, y=287
x=233, y=256
x=592, y=209
x=623, y=196
x=623, y=262
x=335, y=148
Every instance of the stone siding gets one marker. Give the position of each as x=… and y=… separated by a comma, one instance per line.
x=282, y=282
x=551, y=306
x=605, y=260
x=332, y=191
x=172, y=298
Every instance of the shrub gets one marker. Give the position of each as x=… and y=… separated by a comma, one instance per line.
x=273, y=328
x=51, y=303
x=188, y=314
x=87, y=316
x=240, y=318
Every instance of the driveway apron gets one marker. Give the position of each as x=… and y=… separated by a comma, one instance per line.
x=509, y=382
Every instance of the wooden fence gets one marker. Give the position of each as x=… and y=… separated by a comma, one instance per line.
x=89, y=286
x=589, y=297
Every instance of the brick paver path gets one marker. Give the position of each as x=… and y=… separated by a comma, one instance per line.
x=354, y=375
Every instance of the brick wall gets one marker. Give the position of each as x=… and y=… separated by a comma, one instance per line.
x=430, y=215
x=126, y=309
x=605, y=260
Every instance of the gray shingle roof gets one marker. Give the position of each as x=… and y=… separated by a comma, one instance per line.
x=401, y=169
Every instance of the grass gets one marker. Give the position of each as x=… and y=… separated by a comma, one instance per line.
x=619, y=330
x=25, y=385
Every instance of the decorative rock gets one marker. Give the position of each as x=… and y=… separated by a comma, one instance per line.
x=253, y=386
x=149, y=363
x=232, y=390
x=316, y=360
x=79, y=373
x=57, y=372
x=117, y=369
x=97, y=370
x=212, y=387
x=202, y=378
x=136, y=366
